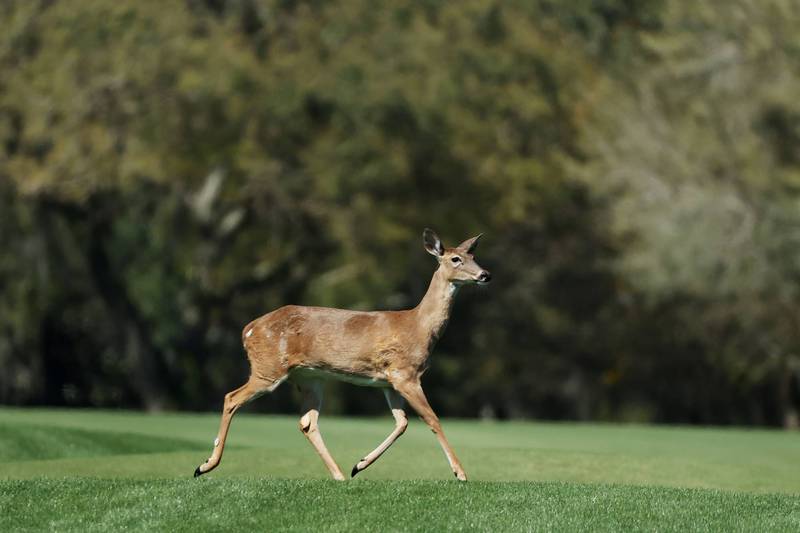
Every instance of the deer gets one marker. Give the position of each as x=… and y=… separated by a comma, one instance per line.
x=383, y=349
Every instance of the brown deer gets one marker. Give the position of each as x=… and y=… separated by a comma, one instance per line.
x=385, y=349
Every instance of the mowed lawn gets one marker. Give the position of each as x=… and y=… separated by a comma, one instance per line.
x=104, y=470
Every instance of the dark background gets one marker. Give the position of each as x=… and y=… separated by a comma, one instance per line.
x=171, y=170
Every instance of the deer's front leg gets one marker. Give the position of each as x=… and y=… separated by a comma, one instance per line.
x=395, y=402
x=413, y=394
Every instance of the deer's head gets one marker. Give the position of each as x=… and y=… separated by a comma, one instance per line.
x=458, y=263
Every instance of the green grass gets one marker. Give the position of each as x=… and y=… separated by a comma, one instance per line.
x=30, y=441
x=104, y=470
x=268, y=504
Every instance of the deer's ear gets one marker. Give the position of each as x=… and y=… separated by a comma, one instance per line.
x=470, y=244
x=432, y=243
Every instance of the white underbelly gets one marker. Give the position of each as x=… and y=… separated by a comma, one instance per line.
x=303, y=373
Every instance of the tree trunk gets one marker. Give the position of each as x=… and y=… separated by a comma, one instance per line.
x=789, y=414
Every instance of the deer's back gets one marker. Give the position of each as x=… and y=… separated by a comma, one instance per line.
x=357, y=343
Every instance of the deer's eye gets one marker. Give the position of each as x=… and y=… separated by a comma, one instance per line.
x=456, y=260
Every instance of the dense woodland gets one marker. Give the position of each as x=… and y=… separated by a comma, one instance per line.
x=171, y=170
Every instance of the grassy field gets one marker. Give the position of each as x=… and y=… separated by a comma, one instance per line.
x=101, y=470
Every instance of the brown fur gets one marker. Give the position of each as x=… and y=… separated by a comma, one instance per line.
x=388, y=349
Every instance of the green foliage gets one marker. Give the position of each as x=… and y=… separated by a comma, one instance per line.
x=170, y=172
x=705, y=189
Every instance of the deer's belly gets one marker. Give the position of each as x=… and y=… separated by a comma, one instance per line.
x=300, y=374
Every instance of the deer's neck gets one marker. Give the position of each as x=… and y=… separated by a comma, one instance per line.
x=434, y=309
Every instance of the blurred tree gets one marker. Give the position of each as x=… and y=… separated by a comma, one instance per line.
x=700, y=156
x=168, y=172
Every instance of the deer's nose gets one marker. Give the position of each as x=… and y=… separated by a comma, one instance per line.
x=485, y=277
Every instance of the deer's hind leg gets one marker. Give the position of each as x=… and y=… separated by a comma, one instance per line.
x=264, y=377
x=312, y=402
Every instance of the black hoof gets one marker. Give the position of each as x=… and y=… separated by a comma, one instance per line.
x=197, y=472
x=354, y=471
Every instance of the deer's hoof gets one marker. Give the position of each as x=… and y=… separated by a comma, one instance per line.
x=198, y=472
x=354, y=471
